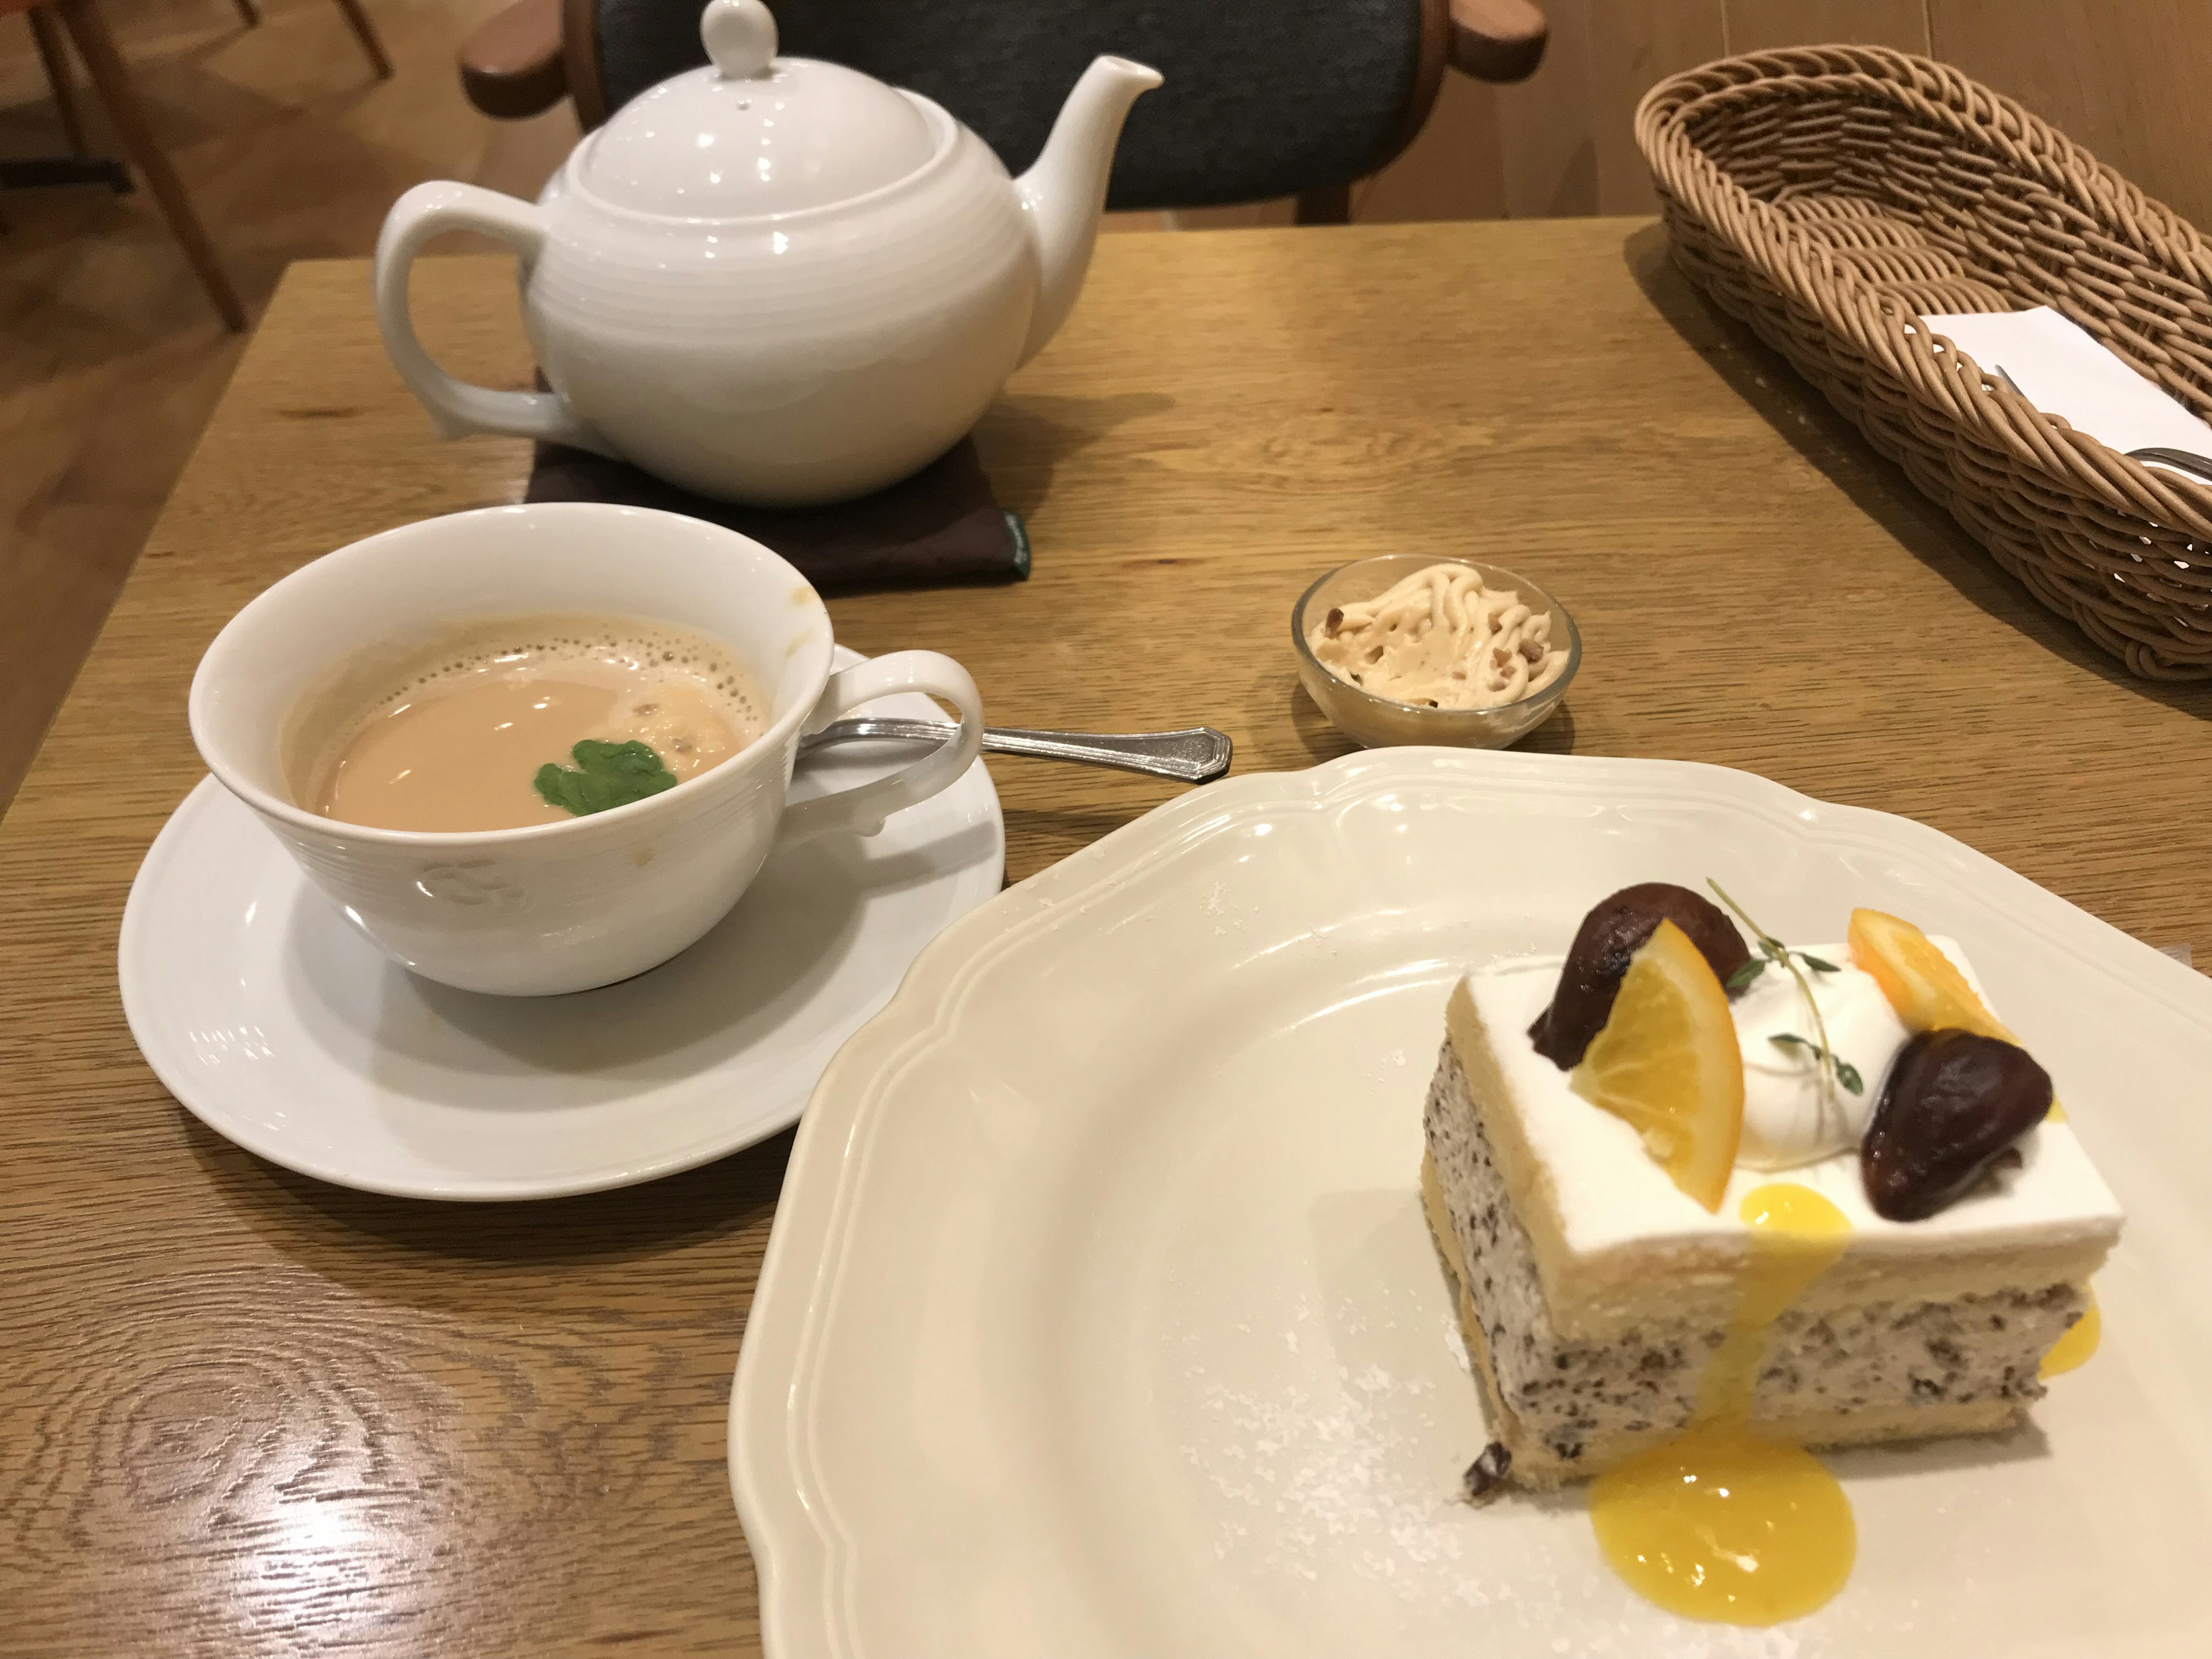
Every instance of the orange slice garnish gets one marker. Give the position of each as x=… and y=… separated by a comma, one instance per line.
x=1667, y=1064
x=1923, y=986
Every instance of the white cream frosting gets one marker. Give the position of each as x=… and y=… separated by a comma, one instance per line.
x=1611, y=1193
x=1794, y=1111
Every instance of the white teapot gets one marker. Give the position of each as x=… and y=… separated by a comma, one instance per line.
x=773, y=280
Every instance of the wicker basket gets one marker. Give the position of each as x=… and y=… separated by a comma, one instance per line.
x=1829, y=196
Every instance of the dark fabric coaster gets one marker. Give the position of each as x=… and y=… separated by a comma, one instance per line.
x=940, y=526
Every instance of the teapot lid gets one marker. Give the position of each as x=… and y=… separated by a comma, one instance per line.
x=753, y=133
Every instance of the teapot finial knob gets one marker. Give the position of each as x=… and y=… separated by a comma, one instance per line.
x=740, y=37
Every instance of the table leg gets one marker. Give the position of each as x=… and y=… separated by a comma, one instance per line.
x=365, y=32
x=54, y=57
x=110, y=76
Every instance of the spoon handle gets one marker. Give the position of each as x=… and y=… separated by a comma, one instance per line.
x=1192, y=754
x=2198, y=467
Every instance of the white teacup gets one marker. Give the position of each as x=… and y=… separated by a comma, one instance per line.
x=553, y=907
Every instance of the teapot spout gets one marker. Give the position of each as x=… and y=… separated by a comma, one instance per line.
x=1065, y=191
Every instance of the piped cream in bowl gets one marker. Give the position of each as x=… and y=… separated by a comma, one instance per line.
x=1405, y=649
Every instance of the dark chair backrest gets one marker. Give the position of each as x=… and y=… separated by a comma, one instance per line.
x=1263, y=97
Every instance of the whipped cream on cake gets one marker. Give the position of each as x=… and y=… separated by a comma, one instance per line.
x=1605, y=1194
x=1792, y=1112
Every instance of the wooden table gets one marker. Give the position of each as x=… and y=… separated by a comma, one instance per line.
x=242, y=1412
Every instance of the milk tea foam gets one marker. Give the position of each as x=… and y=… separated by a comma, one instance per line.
x=457, y=734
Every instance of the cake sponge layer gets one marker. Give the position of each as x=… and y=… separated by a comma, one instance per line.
x=1888, y=1368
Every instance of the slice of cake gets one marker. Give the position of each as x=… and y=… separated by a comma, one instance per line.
x=1587, y=1206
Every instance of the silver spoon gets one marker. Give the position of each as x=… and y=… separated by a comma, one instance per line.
x=2198, y=467
x=1192, y=754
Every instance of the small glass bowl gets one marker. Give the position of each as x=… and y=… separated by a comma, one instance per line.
x=1378, y=722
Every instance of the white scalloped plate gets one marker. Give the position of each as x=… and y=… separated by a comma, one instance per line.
x=1099, y=1318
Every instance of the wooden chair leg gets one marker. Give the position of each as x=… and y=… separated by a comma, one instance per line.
x=54, y=57
x=111, y=77
x=365, y=32
x=250, y=13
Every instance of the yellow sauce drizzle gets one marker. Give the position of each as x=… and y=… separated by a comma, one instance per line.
x=1719, y=1523
x=2075, y=1347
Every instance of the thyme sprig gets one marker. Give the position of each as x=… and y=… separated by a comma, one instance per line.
x=1772, y=951
x=1757, y=965
x=1846, y=1073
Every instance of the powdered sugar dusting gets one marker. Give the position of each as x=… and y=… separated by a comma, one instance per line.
x=1333, y=1470
x=1322, y=1459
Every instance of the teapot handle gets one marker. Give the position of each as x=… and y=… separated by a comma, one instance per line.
x=457, y=408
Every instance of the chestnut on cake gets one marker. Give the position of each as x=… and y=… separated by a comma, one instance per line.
x=1818, y=1194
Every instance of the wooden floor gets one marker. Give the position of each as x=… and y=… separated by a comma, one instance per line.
x=110, y=355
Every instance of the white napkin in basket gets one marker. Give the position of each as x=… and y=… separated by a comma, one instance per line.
x=2059, y=368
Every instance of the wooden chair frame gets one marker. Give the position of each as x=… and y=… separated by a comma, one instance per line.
x=111, y=78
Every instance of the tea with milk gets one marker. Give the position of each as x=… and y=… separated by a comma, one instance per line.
x=519, y=721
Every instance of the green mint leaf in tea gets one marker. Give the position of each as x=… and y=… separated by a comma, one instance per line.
x=605, y=774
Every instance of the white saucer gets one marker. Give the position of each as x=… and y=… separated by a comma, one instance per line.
x=281, y=1029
